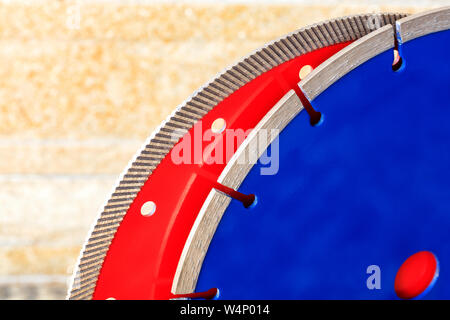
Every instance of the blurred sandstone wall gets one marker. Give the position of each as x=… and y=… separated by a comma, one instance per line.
x=83, y=83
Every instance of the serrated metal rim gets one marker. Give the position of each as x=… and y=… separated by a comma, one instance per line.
x=199, y=103
x=423, y=23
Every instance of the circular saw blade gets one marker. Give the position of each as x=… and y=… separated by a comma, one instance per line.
x=335, y=34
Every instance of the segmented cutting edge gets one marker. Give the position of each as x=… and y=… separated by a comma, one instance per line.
x=193, y=109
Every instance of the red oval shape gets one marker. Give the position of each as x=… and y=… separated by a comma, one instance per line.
x=416, y=275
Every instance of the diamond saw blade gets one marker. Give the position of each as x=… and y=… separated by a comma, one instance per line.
x=152, y=235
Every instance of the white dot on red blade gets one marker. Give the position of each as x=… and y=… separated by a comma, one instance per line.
x=148, y=208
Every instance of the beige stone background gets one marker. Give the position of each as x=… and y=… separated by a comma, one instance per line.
x=83, y=83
